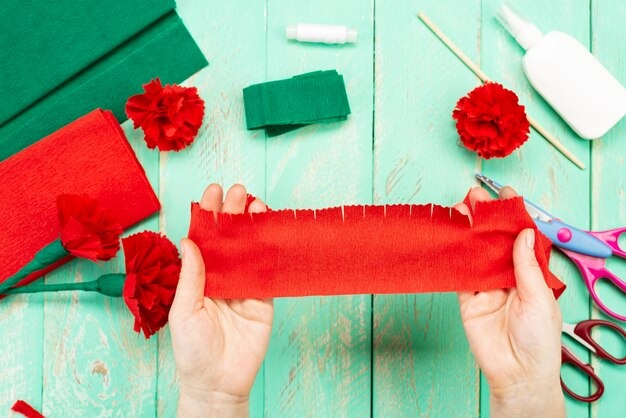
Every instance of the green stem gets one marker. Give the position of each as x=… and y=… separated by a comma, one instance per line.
x=107, y=284
x=38, y=288
x=43, y=258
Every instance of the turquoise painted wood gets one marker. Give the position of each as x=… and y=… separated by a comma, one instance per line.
x=537, y=170
x=319, y=358
x=608, y=183
x=350, y=356
x=421, y=362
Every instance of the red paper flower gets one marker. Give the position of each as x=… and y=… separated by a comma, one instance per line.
x=152, y=271
x=87, y=229
x=170, y=116
x=490, y=121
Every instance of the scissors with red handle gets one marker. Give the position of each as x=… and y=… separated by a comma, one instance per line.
x=589, y=250
x=581, y=332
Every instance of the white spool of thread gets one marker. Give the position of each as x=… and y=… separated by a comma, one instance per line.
x=328, y=34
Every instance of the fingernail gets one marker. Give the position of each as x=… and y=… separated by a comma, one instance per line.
x=530, y=238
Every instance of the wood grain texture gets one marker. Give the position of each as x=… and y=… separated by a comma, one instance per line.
x=319, y=358
x=608, y=188
x=94, y=363
x=384, y=356
x=537, y=170
x=422, y=366
x=232, y=37
x=21, y=328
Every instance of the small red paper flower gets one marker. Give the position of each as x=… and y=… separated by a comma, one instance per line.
x=87, y=230
x=170, y=116
x=490, y=121
x=152, y=271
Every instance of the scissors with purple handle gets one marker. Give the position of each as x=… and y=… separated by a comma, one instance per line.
x=581, y=332
x=587, y=249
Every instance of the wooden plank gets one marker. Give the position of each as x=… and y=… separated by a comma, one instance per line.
x=21, y=327
x=319, y=358
x=608, y=185
x=537, y=170
x=84, y=352
x=422, y=365
x=94, y=364
x=232, y=36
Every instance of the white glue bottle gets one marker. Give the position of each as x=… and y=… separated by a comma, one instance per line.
x=568, y=77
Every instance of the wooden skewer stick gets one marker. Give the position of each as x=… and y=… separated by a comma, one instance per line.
x=480, y=74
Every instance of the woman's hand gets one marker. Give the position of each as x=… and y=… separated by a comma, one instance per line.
x=515, y=334
x=218, y=344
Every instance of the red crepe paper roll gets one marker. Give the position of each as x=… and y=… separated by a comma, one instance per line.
x=91, y=157
x=363, y=250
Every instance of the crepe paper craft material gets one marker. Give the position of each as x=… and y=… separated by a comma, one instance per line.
x=490, y=121
x=89, y=157
x=132, y=42
x=21, y=407
x=327, y=34
x=284, y=105
x=148, y=286
x=483, y=77
x=69, y=36
x=169, y=116
x=363, y=250
x=152, y=272
x=87, y=230
x=107, y=285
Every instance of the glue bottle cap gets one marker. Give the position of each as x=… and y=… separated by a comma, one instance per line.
x=524, y=32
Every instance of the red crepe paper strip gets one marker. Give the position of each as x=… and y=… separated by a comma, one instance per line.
x=88, y=230
x=152, y=272
x=89, y=157
x=25, y=409
x=363, y=250
x=170, y=116
x=249, y=199
x=490, y=121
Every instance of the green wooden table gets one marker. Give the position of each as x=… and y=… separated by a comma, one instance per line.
x=384, y=356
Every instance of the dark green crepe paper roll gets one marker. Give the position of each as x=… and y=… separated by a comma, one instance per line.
x=165, y=50
x=43, y=44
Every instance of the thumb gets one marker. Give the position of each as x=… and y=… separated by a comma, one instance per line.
x=189, y=296
x=530, y=281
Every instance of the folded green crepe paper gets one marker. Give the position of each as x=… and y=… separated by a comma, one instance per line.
x=165, y=50
x=43, y=43
x=283, y=105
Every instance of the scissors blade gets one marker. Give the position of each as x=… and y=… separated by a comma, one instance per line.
x=533, y=210
x=569, y=330
x=561, y=234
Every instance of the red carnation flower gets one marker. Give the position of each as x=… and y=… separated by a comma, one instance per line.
x=87, y=230
x=170, y=116
x=490, y=121
x=152, y=271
